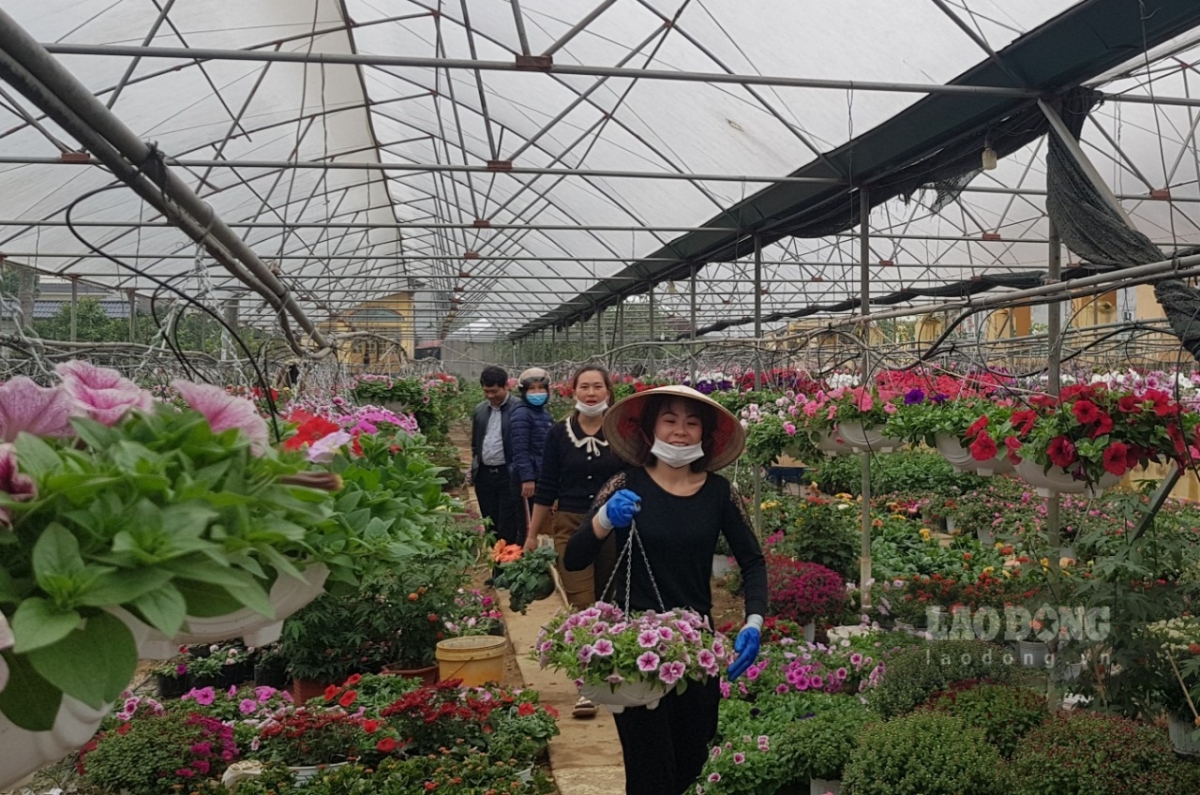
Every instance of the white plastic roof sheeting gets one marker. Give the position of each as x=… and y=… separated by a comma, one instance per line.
x=254, y=111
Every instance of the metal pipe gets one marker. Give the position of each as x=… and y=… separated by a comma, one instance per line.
x=579, y=26
x=521, y=35
x=162, y=17
x=1072, y=146
x=351, y=59
x=692, y=325
x=864, y=293
x=56, y=91
x=74, y=310
x=757, y=371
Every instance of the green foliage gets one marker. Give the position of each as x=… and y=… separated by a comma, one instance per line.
x=528, y=578
x=926, y=753
x=433, y=402
x=1006, y=713
x=1086, y=753
x=814, y=529
x=821, y=746
x=913, y=675
x=911, y=470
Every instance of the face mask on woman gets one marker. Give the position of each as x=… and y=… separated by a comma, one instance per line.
x=591, y=411
x=676, y=456
x=537, y=398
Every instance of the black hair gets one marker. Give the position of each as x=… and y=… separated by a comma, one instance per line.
x=493, y=376
x=594, y=368
x=708, y=425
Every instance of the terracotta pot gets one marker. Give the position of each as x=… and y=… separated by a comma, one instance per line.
x=304, y=689
x=427, y=675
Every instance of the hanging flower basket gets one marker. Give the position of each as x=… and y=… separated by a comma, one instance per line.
x=1059, y=480
x=287, y=596
x=629, y=694
x=306, y=773
x=831, y=444
x=25, y=751
x=958, y=456
x=867, y=438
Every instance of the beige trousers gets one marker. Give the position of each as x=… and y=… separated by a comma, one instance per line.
x=583, y=588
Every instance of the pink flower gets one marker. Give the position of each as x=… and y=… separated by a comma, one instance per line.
x=739, y=758
x=648, y=639
x=247, y=706
x=648, y=662
x=865, y=402
x=671, y=672
x=323, y=450
x=789, y=429
x=38, y=410
x=224, y=411
x=101, y=393
x=890, y=408
x=603, y=648
x=204, y=696
x=585, y=654
x=19, y=487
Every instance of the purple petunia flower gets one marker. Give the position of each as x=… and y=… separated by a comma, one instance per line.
x=915, y=395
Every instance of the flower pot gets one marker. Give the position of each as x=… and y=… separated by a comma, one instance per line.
x=288, y=595
x=810, y=631
x=867, y=438
x=1058, y=479
x=305, y=689
x=498, y=631
x=305, y=773
x=951, y=524
x=820, y=786
x=272, y=673
x=985, y=536
x=475, y=660
x=959, y=457
x=1182, y=738
x=1000, y=465
x=428, y=675
x=1032, y=653
x=831, y=444
x=623, y=696
x=25, y=751
x=172, y=686
x=722, y=565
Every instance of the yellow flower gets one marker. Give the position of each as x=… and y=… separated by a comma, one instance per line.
x=925, y=532
x=1066, y=562
x=988, y=569
x=1006, y=572
x=1045, y=563
x=769, y=504
x=842, y=495
x=999, y=545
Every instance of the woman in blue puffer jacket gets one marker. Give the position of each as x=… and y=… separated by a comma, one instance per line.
x=530, y=422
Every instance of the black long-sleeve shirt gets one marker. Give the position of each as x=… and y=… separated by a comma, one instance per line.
x=679, y=535
x=573, y=472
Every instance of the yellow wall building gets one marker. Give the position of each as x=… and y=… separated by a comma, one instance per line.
x=391, y=322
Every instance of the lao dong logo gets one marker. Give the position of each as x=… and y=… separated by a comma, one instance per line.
x=1047, y=623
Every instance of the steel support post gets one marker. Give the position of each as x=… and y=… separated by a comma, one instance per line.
x=132, y=316
x=74, y=310
x=692, y=326
x=758, y=474
x=650, y=326
x=1053, y=385
x=864, y=293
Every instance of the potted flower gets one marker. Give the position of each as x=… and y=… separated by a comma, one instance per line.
x=474, y=613
x=861, y=413
x=803, y=592
x=173, y=677
x=1177, y=672
x=822, y=745
x=630, y=660
x=525, y=575
x=308, y=740
x=134, y=527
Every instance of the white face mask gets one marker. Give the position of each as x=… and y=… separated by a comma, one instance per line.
x=591, y=411
x=675, y=456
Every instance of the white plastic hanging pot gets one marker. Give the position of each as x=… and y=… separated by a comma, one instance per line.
x=22, y=751
x=287, y=596
x=959, y=457
x=1062, y=481
x=867, y=438
x=1181, y=732
x=626, y=695
x=829, y=443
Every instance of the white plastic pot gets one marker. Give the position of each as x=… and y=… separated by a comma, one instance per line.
x=869, y=439
x=1000, y=465
x=22, y=751
x=1181, y=732
x=287, y=596
x=958, y=456
x=1060, y=480
x=820, y=786
x=1032, y=653
x=721, y=566
x=629, y=694
x=829, y=443
x=810, y=632
x=306, y=773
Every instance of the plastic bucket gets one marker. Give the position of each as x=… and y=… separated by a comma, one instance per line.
x=476, y=659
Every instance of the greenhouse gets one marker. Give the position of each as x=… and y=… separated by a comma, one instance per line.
x=599, y=396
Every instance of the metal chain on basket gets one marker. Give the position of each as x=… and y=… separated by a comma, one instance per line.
x=627, y=556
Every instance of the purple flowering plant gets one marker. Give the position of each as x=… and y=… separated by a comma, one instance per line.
x=602, y=645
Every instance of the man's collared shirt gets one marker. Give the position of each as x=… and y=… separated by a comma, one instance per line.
x=492, y=452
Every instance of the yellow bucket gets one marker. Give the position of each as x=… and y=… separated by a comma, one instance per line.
x=476, y=659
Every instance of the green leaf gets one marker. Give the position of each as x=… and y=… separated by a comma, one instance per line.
x=123, y=586
x=38, y=622
x=29, y=701
x=56, y=553
x=164, y=608
x=111, y=658
x=36, y=457
x=96, y=435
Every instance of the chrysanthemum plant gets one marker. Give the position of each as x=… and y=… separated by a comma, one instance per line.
x=602, y=645
x=111, y=500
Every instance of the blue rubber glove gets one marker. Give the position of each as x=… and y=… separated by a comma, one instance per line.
x=746, y=648
x=619, y=510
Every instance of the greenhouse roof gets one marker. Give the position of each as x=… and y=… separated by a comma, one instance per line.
x=363, y=148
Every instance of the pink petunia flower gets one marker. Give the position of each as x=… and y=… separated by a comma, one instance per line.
x=247, y=706
x=37, y=410
x=324, y=449
x=224, y=411
x=648, y=662
x=19, y=487
x=603, y=648
x=648, y=639
x=100, y=393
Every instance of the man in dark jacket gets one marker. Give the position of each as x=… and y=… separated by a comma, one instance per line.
x=491, y=454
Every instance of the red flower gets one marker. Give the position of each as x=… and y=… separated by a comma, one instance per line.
x=309, y=431
x=1023, y=421
x=331, y=692
x=1103, y=426
x=1061, y=452
x=983, y=448
x=1086, y=412
x=370, y=726
x=1128, y=404
x=353, y=680
x=1043, y=401
x=977, y=427
x=1114, y=458
x=386, y=745
x=526, y=709
x=1132, y=455
x=348, y=698
x=1013, y=444
x=554, y=712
